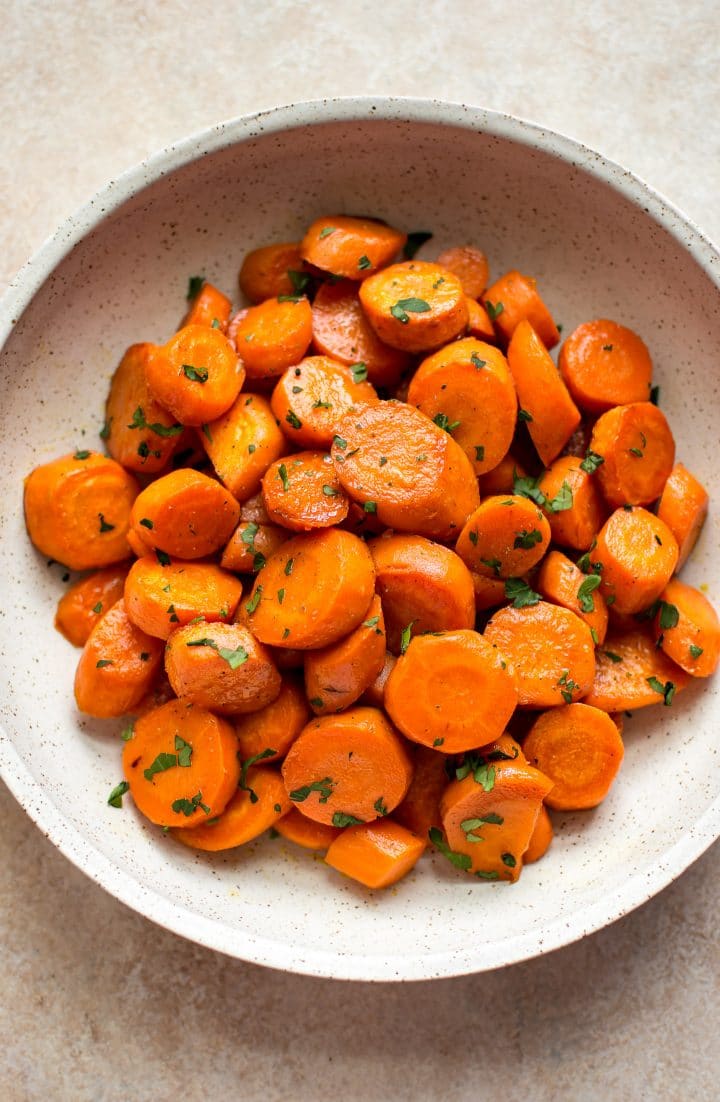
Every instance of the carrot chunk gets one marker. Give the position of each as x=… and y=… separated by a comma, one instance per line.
x=420, y=810
x=265, y=272
x=162, y=594
x=138, y=431
x=504, y=537
x=540, y=839
x=415, y=305
x=375, y=854
x=342, y=332
x=551, y=415
x=514, y=298
x=221, y=667
x=251, y=545
x=302, y=492
x=638, y=450
x=273, y=335
x=117, y=665
x=353, y=248
x=563, y=583
x=470, y=265
x=310, y=399
x=82, y=605
x=336, y=676
x=579, y=749
x=296, y=827
x=184, y=513
x=688, y=629
x=258, y=805
x=268, y=734
x=209, y=307
x=604, y=365
x=196, y=376
x=632, y=672
x=683, y=507
x=243, y=443
x=577, y=524
x=637, y=555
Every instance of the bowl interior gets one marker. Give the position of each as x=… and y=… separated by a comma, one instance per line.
x=539, y=204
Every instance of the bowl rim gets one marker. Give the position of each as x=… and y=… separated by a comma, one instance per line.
x=38, y=803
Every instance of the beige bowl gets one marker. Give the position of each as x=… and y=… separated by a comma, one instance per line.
x=600, y=243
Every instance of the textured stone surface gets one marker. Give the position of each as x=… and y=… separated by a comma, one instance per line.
x=99, y=1004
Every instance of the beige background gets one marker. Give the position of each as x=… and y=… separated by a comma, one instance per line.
x=97, y=1004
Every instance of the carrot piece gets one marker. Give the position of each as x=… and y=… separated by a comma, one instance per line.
x=501, y=479
x=504, y=537
x=342, y=332
x=268, y=733
x=397, y=464
x=302, y=492
x=423, y=585
x=251, y=545
x=638, y=450
x=420, y=810
x=264, y=271
x=579, y=749
x=470, y=265
x=116, y=667
x=163, y=595
x=514, y=298
x=489, y=592
x=466, y=388
x=81, y=606
x=242, y=444
x=310, y=398
x=637, y=555
x=260, y=803
x=415, y=305
x=77, y=510
x=350, y=247
x=196, y=376
x=209, y=307
x=375, y=854
x=689, y=628
x=551, y=650
x=296, y=827
x=632, y=672
x=540, y=839
x=578, y=524
x=374, y=695
x=489, y=817
x=479, y=324
x=604, y=365
x=184, y=513
x=314, y=590
x=274, y=335
x=452, y=691
x=563, y=583
x=138, y=432
x=683, y=507
x=551, y=415
x=221, y=667
x=349, y=767
x=336, y=676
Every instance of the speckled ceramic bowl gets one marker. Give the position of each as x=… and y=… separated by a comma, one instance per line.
x=601, y=244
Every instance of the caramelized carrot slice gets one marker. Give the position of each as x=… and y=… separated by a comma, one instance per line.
x=350, y=247
x=605, y=364
x=309, y=399
x=209, y=307
x=551, y=415
x=638, y=449
x=415, y=305
x=501, y=479
x=82, y=605
x=375, y=854
x=563, y=583
x=274, y=335
x=243, y=443
x=264, y=271
x=632, y=672
x=196, y=376
x=184, y=513
x=688, y=628
x=221, y=667
x=138, y=431
x=253, y=809
x=540, y=839
x=637, y=556
x=514, y=298
x=479, y=324
x=161, y=595
x=504, y=537
x=578, y=524
x=268, y=733
x=117, y=665
x=251, y=545
x=302, y=492
x=470, y=265
x=296, y=827
x=683, y=507
x=342, y=332
x=579, y=749
x=336, y=676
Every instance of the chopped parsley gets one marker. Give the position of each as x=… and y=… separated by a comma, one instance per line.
x=591, y=462
x=245, y=765
x=526, y=540
x=342, y=819
x=293, y=420
x=406, y=306
x=494, y=311
x=459, y=860
x=324, y=787
x=104, y=526
x=443, y=422
x=666, y=691
x=195, y=374
x=586, y=590
x=519, y=592
x=115, y=797
x=359, y=372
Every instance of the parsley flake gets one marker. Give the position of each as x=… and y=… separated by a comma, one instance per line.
x=459, y=860
x=115, y=797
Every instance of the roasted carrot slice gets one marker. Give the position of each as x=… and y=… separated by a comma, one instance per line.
x=451, y=691
x=258, y=805
x=162, y=594
x=268, y=733
x=514, y=298
x=638, y=450
x=350, y=247
x=196, y=376
x=579, y=749
x=415, y=305
x=342, y=332
x=420, y=810
x=82, y=605
x=251, y=545
x=138, y=431
x=470, y=265
x=336, y=676
x=274, y=335
x=479, y=324
x=264, y=271
x=563, y=583
x=221, y=667
x=578, y=524
x=184, y=513
x=375, y=854
x=540, y=839
x=688, y=628
x=551, y=415
x=208, y=307
x=302, y=492
x=504, y=537
x=633, y=672
x=297, y=828
x=637, y=556
x=604, y=365
x=117, y=665
x=309, y=399
x=243, y=443
x=683, y=507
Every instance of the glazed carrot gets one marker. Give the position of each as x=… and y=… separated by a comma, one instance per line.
x=423, y=585
x=689, y=629
x=578, y=524
x=451, y=691
x=420, y=810
x=470, y=265
x=302, y=492
x=242, y=444
x=314, y=590
x=504, y=537
x=415, y=305
x=579, y=749
x=268, y=733
x=342, y=332
x=489, y=592
x=551, y=415
x=264, y=271
x=540, y=839
x=489, y=817
x=396, y=463
x=138, y=432
x=184, y=513
x=274, y=335
x=514, y=298
x=346, y=768
x=501, y=479
x=563, y=583
x=350, y=247
x=374, y=695
x=466, y=389
x=632, y=672
x=250, y=812
x=549, y=647
x=310, y=398
x=296, y=827
x=196, y=376
x=221, y=667
x=479, y=324
x=251, y=545
x=604, y=365
x=116, y=667
x=77, y=510
x=637, y=556
x=683, y=507
x=81, y=606
x=638, y=450
x=375, y=854
x=336, y=676
x=162, y=595
x=208, y=307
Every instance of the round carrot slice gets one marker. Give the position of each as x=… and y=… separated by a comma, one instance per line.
x=514, y=298
x=302, y=492
x=196, y=375
x=470, y=265
x=336, y=676
x=683, y=507
x=221, y=667
x=551, y=650
x=563, y=583
x=347, y=768
x=452, y=691
x=479, y=324
x=209, y=307
x=184, y=513
x=578, y=524
x=397, y=464
x=423, y=585
x=264, y=271
x=296, y=827
x=161, y=595
x=243, y=443
x=415, y=305
x=547, y=408
x=82, y=605
x=181, y=764
x=579, y=749
x=604, y=365
x=138, y=432
x=77, y=510
x=637, y=554
x=342, y=332
x=251, y=545
x=466, y=389
x=375, y=854
x=638, y=449
x=309, y=399
x=312, y=591
x=254, y=808
x=268, y=734
x=540, y=839
x=504, y=537
x=350, y=247
x=117, y=665
x=633, y=672
x=274, y=335
x=688, y=629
